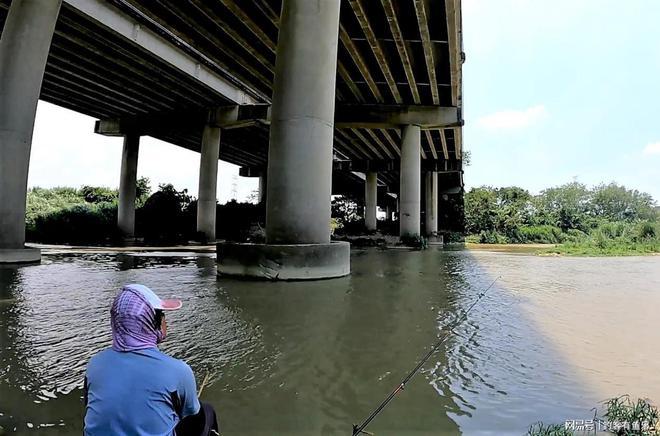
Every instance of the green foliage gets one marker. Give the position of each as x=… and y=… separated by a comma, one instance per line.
x=96, y=194
x=540, y=429
x=616, y=203
x=608, y=219
x=241, y=221
x=480, y=210
x=41, y=202
x=164, y=218
x=345, y=213
x=492, y=237
x=632, y=416
x=83, y=223
x=541, y=234
x=567, y=206
x=648, y=230
x=142, y=191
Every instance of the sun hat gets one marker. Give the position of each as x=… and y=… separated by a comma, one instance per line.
x=154, y=300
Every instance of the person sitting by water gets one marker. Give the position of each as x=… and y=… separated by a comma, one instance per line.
x=133, y=388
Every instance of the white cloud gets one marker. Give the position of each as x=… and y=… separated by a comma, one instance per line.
x=652, y=148
x=513, y=119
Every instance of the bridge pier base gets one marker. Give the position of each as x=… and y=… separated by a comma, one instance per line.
x=300, y=153
x=410, y=181
x=128, y=185
x=24, y=48
x=370, y=197
x=208, y=182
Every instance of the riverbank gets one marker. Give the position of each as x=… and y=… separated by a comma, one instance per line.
x=87, y=249
x=583, y=250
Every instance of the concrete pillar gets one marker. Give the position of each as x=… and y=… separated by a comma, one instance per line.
x=301, y=130
x=431, y=204
x=370, y=200
x=208, y=182
x=127, y=185
x=263, y=186
x=24, y=47
x=389, y=212
x=410, y=179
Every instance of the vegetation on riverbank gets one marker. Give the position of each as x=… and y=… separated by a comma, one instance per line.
x=623, y=416
x=603, y=220
x=89, y=216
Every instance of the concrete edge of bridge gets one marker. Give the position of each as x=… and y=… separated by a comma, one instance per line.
x=20, y=255
x=284, y=262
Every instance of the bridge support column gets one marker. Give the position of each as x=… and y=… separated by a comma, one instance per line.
x=24, y=48
x=370, y=199
x=127, y=185
x=208, y=182
x=410, y=180
x=300, y=154
x=389, y=213
x=431, y=215
x=263, y=186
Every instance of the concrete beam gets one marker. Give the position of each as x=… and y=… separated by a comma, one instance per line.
x=181, y=56
x=380, y=165
x=376, y=165
x=359, y=116
x=380, y=116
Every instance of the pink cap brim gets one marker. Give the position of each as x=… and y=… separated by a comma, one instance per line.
x=171, y=304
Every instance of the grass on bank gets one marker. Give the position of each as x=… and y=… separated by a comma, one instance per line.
x=623, y=416
x=604, y=239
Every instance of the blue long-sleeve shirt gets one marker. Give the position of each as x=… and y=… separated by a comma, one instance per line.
x=143, y=392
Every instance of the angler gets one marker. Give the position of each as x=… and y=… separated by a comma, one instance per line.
x=133, y=388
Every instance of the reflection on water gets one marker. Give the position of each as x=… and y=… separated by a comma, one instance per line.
x=316, y=357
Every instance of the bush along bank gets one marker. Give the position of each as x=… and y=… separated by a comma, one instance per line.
x=89, y=216
x=604, y=220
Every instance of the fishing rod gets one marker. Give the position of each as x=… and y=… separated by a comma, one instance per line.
x=357, y=429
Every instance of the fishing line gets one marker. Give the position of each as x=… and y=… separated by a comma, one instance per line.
x=357, y=429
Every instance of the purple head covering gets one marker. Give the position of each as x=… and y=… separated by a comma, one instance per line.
x=132, y=318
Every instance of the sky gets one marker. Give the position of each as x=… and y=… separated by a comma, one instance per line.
x=562, y=90
x=554, y=91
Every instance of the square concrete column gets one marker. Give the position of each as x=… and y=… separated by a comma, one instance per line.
x=127, y=185
x=410, y=180
x=431, y=214
x=24, y=48
x=302, y=125
x=208, y=182
x=370, y=199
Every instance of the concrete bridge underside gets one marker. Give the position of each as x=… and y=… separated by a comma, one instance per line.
x=204, y=76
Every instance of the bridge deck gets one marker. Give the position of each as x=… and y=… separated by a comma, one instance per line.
x=390, y=51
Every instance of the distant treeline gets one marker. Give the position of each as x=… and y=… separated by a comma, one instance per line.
x=609, y=218
x=89, y=216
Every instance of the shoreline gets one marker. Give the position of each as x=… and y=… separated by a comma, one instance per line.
x=543, y=250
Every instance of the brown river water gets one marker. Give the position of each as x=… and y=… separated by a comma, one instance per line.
x=553, y=338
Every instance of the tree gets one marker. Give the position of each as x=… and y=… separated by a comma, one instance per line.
x=566, y=206
x=616, y=203
x=142, y=190
x=98, y=194
x=481, y=210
